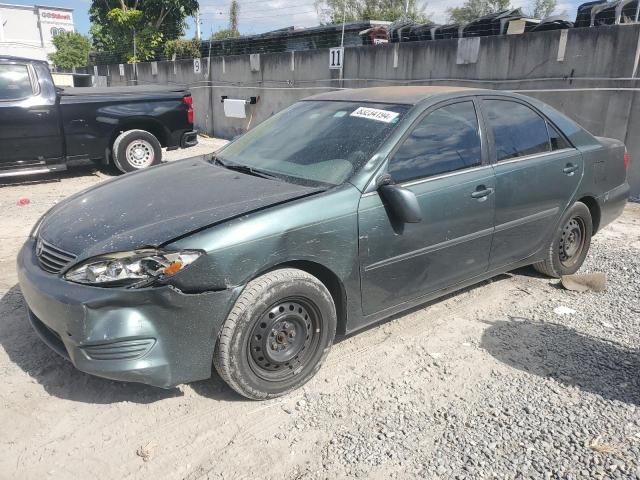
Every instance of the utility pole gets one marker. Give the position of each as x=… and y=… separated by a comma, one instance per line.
x=135, y=58
x=344, y=17
x=406, y=7
x=198, y=25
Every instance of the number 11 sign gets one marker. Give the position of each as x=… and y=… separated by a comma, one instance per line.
x=336, y=56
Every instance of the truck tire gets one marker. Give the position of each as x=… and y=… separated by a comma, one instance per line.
x=136, y=150
x=570, y=243
x=277, y=335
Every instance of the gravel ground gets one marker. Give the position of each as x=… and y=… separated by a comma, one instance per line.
x=489, y=382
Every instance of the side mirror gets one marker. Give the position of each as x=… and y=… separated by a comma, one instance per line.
x=402, y=203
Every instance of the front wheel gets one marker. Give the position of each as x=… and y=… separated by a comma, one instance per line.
x=570, y=243
x=277, y=335
x=135, y=150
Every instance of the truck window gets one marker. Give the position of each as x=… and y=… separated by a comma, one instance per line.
x=14, y=82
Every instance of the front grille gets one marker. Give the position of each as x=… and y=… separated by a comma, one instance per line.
x=52, y=259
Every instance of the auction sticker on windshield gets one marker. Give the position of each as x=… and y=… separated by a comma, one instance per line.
x=375, y=114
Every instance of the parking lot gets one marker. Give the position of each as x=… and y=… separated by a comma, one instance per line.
x=491, y=382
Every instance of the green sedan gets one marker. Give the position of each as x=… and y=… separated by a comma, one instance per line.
x=338, y=212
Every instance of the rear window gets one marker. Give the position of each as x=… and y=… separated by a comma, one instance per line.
x=14, y=82
x=557, y=140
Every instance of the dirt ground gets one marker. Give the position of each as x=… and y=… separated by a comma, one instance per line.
x=57, y=422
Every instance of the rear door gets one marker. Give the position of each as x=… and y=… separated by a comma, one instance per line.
x=442, y=161
x=537, y=174
x=29, y=124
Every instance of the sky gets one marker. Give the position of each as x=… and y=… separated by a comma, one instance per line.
x=258, y=16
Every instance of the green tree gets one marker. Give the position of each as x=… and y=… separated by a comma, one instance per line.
x=331, y=11
x=181, y=49
x=543, y=8
x=234, y=14
x=225, y=33
x=234, y=18
x=473, y=9
x=72, y=50
x=116, y=23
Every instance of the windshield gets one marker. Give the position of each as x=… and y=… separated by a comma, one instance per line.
x=315, y=141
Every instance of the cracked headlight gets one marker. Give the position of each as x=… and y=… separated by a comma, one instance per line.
x=136, y=269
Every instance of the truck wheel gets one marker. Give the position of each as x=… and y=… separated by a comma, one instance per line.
x=277, y=335
x=570, y=243
x=135, y=150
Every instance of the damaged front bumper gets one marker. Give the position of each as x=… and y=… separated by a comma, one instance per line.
x=158, y=336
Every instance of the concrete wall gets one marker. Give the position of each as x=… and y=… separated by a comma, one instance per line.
x=594, y=81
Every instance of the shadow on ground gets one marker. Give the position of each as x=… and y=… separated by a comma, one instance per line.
x=61, y=379
x=551, y=350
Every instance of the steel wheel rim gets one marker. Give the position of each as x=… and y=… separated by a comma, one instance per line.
x=572, y=241
x=140, y=154
x=284, y=338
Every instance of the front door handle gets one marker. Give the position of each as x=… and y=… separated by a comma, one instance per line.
x=40, y=112
x=481, y=192
x=570, y=168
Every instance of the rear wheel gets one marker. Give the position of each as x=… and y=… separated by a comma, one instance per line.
x=277, y=335
x=570, y=243
x=135, y=150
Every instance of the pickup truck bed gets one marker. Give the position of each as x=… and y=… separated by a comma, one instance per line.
x=43, y=128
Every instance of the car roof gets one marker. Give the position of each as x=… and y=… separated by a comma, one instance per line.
x=406, y=95
x=9, y=58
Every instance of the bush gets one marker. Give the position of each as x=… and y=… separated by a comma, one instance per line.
x=182, y=49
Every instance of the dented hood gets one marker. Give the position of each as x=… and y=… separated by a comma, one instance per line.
x=154, y=206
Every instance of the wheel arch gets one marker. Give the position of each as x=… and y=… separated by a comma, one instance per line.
x=148, y=124
x=594, y=210
x=328, y=278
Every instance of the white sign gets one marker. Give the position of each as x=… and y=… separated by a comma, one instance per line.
x=197, y=66
x=53, y=23
x=385, y=116
x=380, y=41
x=55, y=16
x=336, y=58
x=121, y=68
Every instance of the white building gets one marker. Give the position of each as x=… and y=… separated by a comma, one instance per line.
x=27, y=31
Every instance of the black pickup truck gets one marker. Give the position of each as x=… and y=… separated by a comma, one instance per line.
x=43, y=127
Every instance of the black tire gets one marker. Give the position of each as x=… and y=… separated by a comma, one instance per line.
x=127, y=146
x=256, y=354
x=570, y=243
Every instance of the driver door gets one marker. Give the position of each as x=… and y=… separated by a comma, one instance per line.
x=443, y=161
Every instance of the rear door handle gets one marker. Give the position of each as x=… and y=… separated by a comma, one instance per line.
x=570, y=168
x=481, y=192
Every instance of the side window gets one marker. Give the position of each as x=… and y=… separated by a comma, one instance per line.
x=14, y=82
x=517, y=130
x=558, y=142
x=445, y=140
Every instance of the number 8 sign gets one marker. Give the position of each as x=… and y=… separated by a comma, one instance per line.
x=336, y=56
